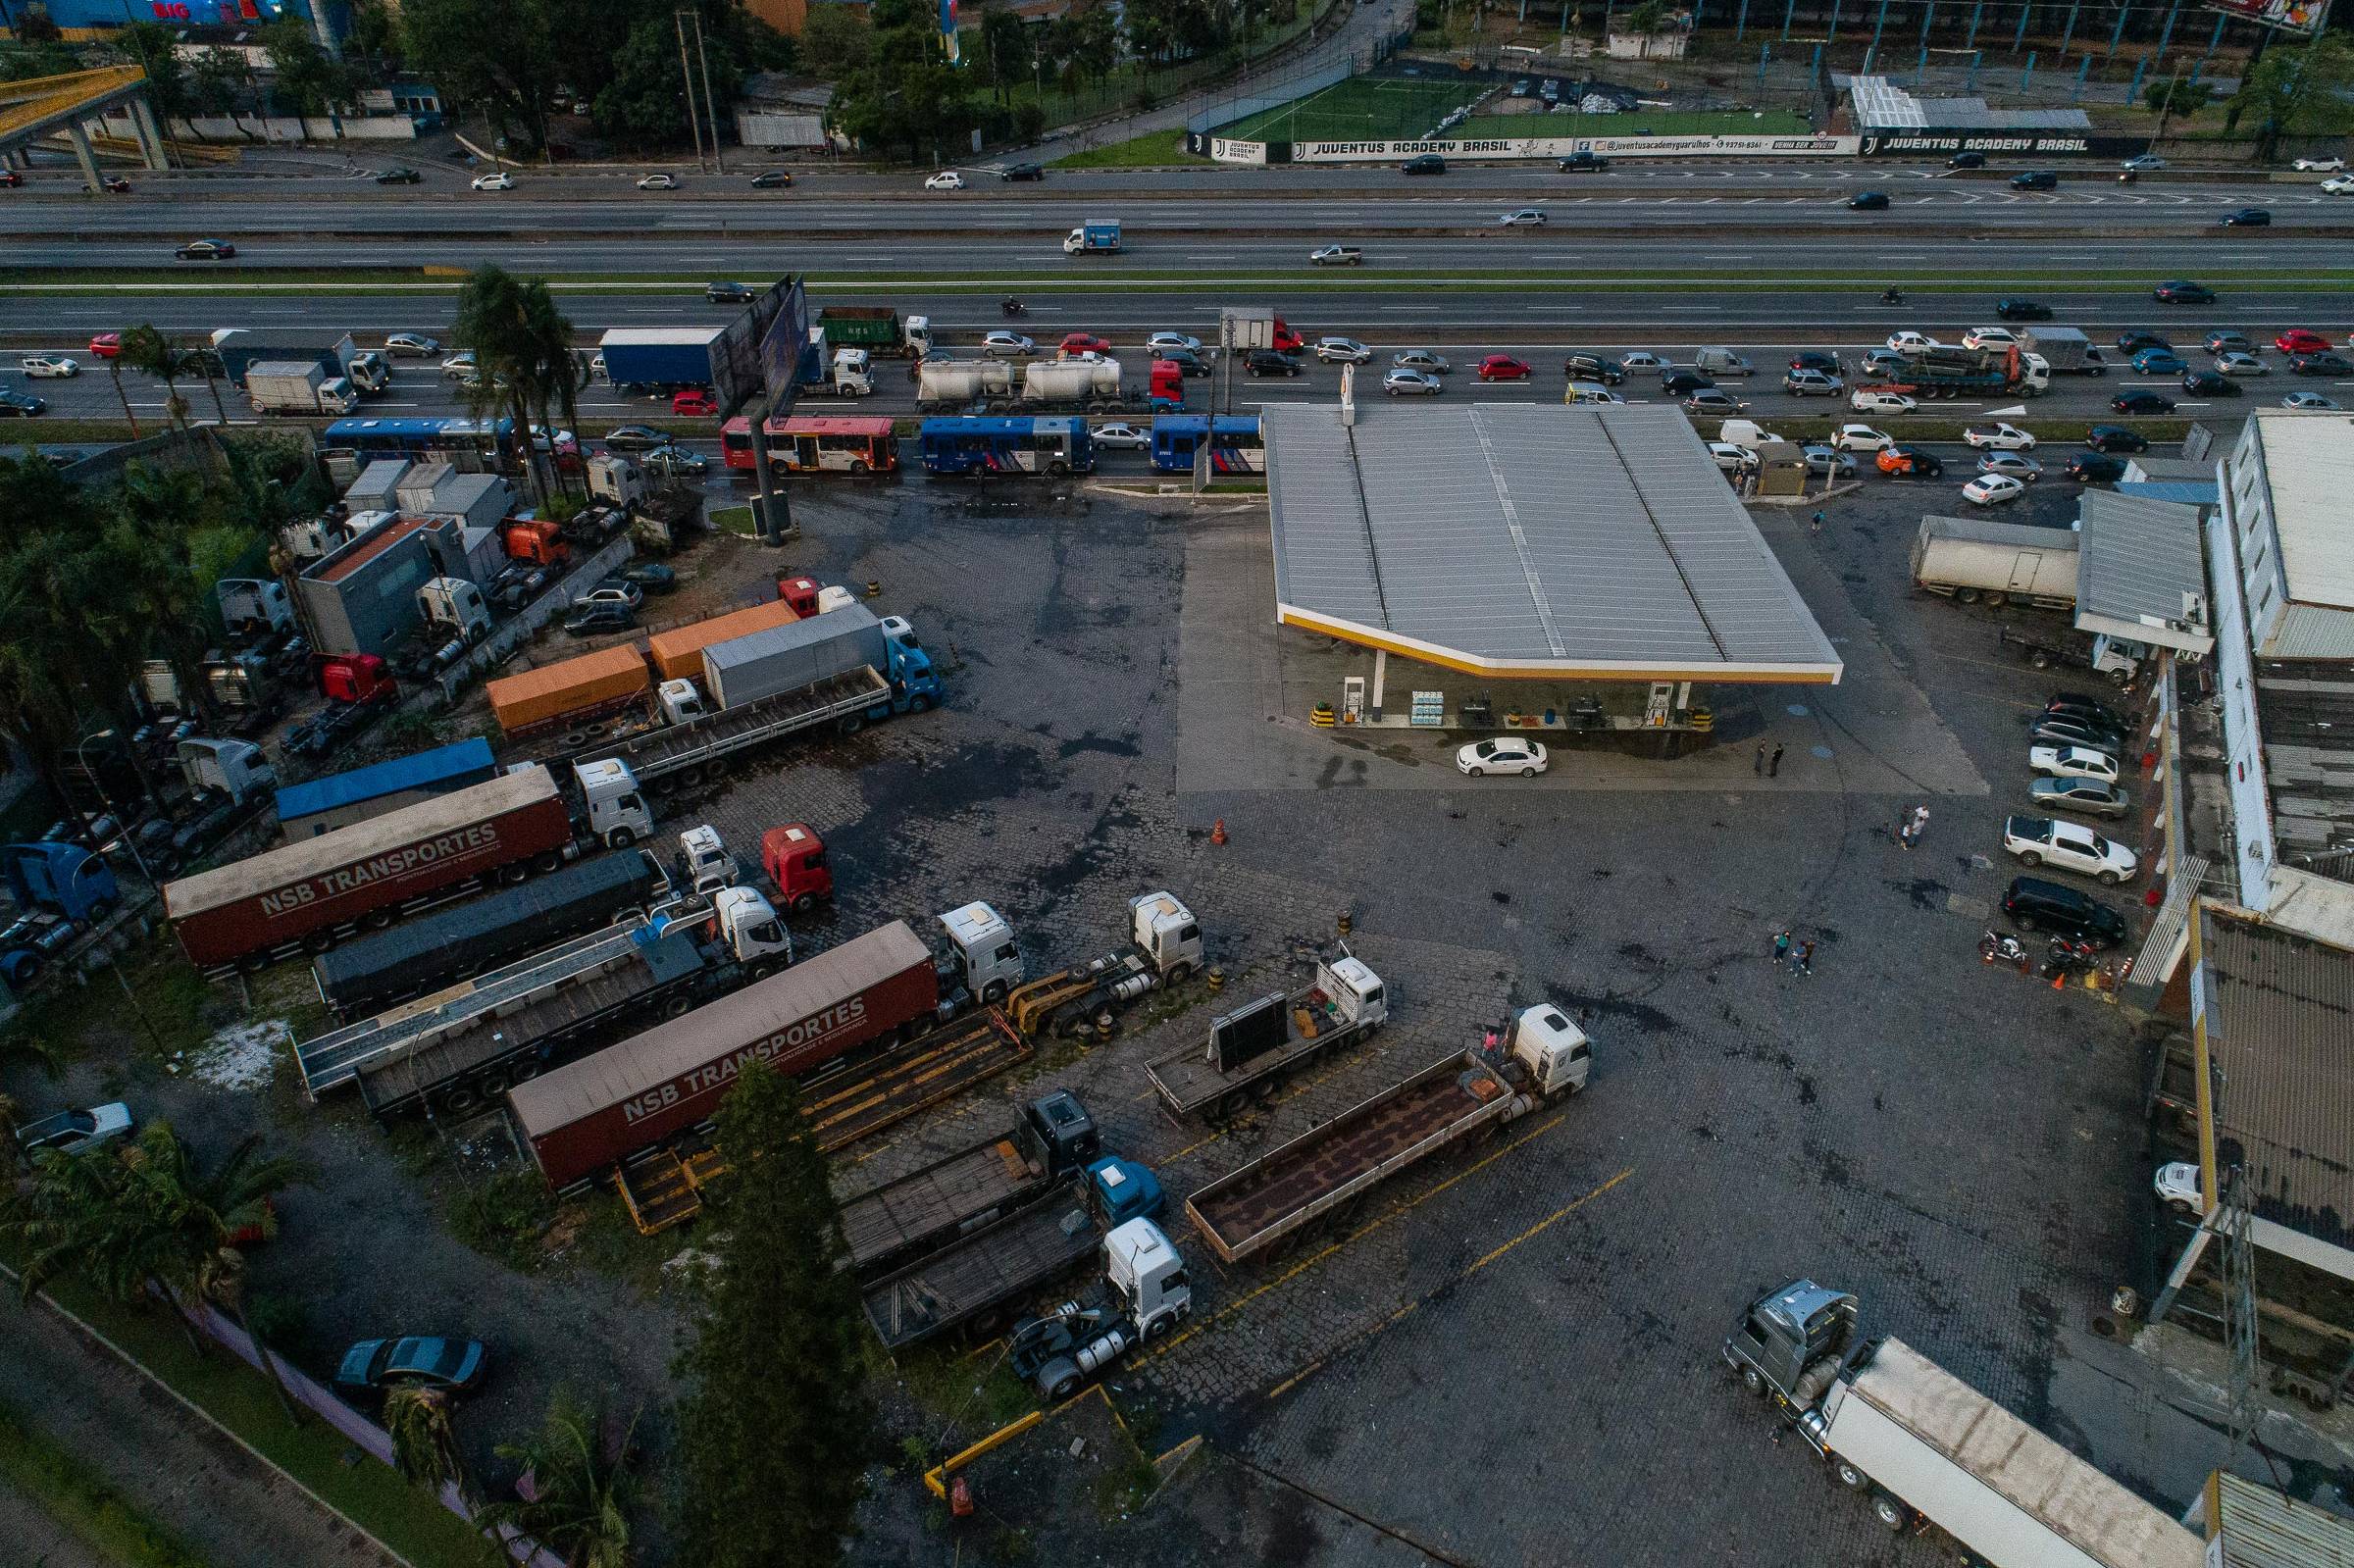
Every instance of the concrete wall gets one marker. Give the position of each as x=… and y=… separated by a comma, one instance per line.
x=768, y=127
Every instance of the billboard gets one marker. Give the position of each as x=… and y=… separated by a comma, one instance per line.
x=1331, y=152
x=775, y=325
x=2286, y=16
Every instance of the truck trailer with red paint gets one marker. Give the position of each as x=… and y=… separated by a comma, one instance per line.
x=814, y=1019
x=308, y=893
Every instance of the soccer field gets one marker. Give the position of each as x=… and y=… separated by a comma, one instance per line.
x=1361, y=109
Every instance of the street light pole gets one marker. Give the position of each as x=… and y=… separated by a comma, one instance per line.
x=130, y=839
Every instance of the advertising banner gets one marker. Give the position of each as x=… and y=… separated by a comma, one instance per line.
x=1226, y=151
x=2289, y=16
x=2048, y=143
x=1334, y=152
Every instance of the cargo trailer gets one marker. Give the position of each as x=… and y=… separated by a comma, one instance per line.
x=321, y=805
x=1049, y=1142
x=677, y=655
x=570, y=691
x=1253, y=1047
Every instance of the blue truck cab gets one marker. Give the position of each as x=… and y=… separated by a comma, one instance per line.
x=915, y=684
x=1120, y=1190
x=60, y=889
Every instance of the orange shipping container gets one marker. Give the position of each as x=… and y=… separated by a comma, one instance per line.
x=604, y=679
x=678, y=654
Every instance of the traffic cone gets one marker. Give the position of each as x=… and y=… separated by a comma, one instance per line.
x=1217, y=831
x=960, y=1499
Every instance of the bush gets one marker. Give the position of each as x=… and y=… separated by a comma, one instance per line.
x=1029, y=121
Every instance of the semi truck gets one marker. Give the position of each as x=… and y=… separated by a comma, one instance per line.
x=254, y=607
x=2066, y=351
x=239, y=350
x=2118, y=658
x=972, y=1284
x=1974, y=558
x=309, y=894
x=569, y=694
x=657, y=360
x=1922, y=1446
x=1164, y=950
x=1051, y=1141
x=1147, y=1297
x=877, y=329
x=234, y=769
x=60, y=891
x=321, y=805
x=465, y=940
x=1097, y=237
x=287, y=387
x=827, y=1016
x=1253, y=1047
x=1254, y=1206
x=1944, y=372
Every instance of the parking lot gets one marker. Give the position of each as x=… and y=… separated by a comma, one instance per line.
x=1509, y=1355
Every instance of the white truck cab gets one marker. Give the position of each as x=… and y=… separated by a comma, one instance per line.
x=749, y=926
x=833, y=596
x=984, y=954
x=916, y=332
x=1354, y=989
x=615, y=479
x=1555, y=1051
x=236, y=768
x=853, y=374
x=618, y=814
x=705, y=861
x=682, y=702
x=1147, y=1275
x=1167, y=932
x=455, y=606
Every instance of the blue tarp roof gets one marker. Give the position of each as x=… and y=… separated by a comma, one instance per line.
x=412, y=772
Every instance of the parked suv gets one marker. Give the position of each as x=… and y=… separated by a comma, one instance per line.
x=2034, y=905
x=2071, y=847
x=1266, y=361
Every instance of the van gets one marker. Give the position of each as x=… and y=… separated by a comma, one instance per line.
x=1745, y=433
x=1590, y=392
x=2035, y=904
x=1720, y=362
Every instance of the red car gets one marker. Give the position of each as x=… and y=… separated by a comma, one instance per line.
x=9, y=178
x=2297, y=340
x=1502, y=367
x=106, y=345
x=692, y=403
x=1085, y=343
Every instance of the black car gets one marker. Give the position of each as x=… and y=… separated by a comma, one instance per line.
x=1023, y=171
x=1581, y=163
x=771, y=180
x=2093, y=467
x=1186, y=360
x=1594, y=368
x=2115, y=439
x=1917, y=463
x=587, y=620
x=1966, y=160
x=2136, y=342
x=21, y=405
x=399, y=176
x=1424, y=163
x=2320, y=365
x=2070, y=729
x=2179, y=292
x=724, y=293
x=635, y=438
x=1683, y=383
x=1813, y=360
x=2022, y=310
x=206, y=250
x=2210, y=383
x=2036, y=179
x=2143, y=402
x=651, y=575
x=2038, y=905
x=1267, y=362
x=1869, y=201
x=2248, y=218
x=2091, y=709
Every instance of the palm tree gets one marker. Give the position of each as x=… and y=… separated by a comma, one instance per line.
x=522, y=347
x=425, y=1442
x=75, y=1220
x=580, y=1488
x=147, y=349
x=114, y=368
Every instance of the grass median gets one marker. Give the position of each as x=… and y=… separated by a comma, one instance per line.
x=82, y=1501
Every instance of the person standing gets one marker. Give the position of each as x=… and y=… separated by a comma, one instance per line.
x=1920, y=821
x=1781, y=946
x=1773, y=764
x=1803, y=959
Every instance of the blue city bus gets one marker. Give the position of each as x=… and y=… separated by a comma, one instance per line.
x=994, y=444
x=471, y=444
x=1235, y=444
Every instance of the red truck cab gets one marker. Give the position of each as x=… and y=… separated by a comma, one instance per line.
x=801, y=593
x=795, y=858
x=538, y=540
x=1168, y=388
x=1287, y=341
x=354, y=678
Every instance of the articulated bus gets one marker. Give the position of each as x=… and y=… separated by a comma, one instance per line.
x=1007, y=444
x=821, y=443
x=474, y=445
x=1235, y=444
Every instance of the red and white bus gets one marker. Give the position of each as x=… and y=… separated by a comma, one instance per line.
x=815, y=444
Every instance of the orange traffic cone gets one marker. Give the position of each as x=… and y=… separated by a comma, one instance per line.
x=1217, y=831
x=961, y=1499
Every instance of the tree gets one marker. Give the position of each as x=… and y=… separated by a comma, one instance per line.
x=498, y=56
x=2175, y=96
x=2297, y=92
x=645, y=101
x=425, y=1441
x=373, y=35
x=1005, y=52
x=836, y=40
x=222, y=83
x=1647, y=17
x=147, y=349
x=308, y=78
x=775, y=1425
x=522, y=347
x=582, y=1487
x=35, y=26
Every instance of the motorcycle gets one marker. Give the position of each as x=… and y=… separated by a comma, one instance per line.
x=1011, y=308
x=2065, y=959
x=2000, y=947
x=1892, y=296
x=2128, y=178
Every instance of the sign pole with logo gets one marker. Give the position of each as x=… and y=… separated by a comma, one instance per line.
x=757, y=362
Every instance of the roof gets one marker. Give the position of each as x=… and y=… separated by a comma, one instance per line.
x=2141, y=573
x=2151, y=466
x=2308, y=467
x=1882, y=105
x=364, y=549
x=2305, y=715
x=2261, y=1528
x=2276, y=1036
x=390, y=777
x=2183, y=492
x=1530, y=539
x=666, y=336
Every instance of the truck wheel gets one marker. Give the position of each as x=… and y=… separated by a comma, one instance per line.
x=2040, y=659
x=1850, y=1477
x=254, y=963
x=462, y=1101
x=762, y=970
x=1062, y=1388
x=1179, y=974
x=319, y=941
x=2121, y=679
x=2030, y=859
x=1754, y=1380
x=1891, y=1512
x=1966, y=596
x=529, y=1068
x=512, y=872
x=1231, y=1103
x=920, y=704
x=994, y=992
x=376, y=919
x=548, y=860
x=858, y=465
x=1158, y=1327
x=716, y=769
x=100, y=909
x=689, y=778
x=805, y=902
x=849, y=723
x=620, y=838
x=676, y=1006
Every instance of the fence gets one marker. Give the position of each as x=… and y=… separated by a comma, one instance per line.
x=495, y=649
x=1260, y=96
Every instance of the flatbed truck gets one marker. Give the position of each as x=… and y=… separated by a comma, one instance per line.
x=1924, y=1447
x=1051, y=1141
x=1006, y=1263
x=1253, y=1207
x=2114, y=657
x=1164, y=950
x=1253, y=1047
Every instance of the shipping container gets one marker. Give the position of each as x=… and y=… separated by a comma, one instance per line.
x=788, y=658
x=482, y=933
x=309, y=892
x=677, y=655
x=307, y=810
x=572, y=689
x=591, y=1114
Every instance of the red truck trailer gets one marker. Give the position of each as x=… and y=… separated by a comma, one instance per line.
x=308, y=893
x=818, y=1016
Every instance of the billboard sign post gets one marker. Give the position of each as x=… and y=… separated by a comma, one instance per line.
x=757, y=362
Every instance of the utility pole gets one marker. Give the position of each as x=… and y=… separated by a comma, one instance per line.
x=719, y=160
x=686, y=71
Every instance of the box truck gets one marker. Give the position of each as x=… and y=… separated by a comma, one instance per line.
x=1974, y=558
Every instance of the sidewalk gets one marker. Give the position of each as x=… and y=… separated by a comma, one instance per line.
x=167, y=1461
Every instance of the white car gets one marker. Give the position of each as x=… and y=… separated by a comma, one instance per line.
x=458, y=366
x=2319, y=165
x=1173, y=343
x=1911, y=343
x=2072, y=762
x=1872, y=401
x=2143, y=164
x=2343, y=184
x=1990, y=338
x=2000, y=437
x=1412, y=383
x=946, y=180
x=1862, y=439
x=73, y=1132
x=1343, y=351
x=2176, y=1184
x=1004, y=344
x=47, y=367
x=1732, y=459
x=499, y=181
x=660, y=182
x=2071, y=847
x=1503, y=754
x=1642, y=359
x=2017, y=465
x=1122, y=435
x=1992, y=489
x=1525, y=218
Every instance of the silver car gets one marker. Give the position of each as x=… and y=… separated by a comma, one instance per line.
x=1000, y=345
x=2017, y=465
x=1342, y=351
x=1830, y=462
x=2092, y=798
x=1412, y=383
x=1420, y=358
x=2235, y=362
